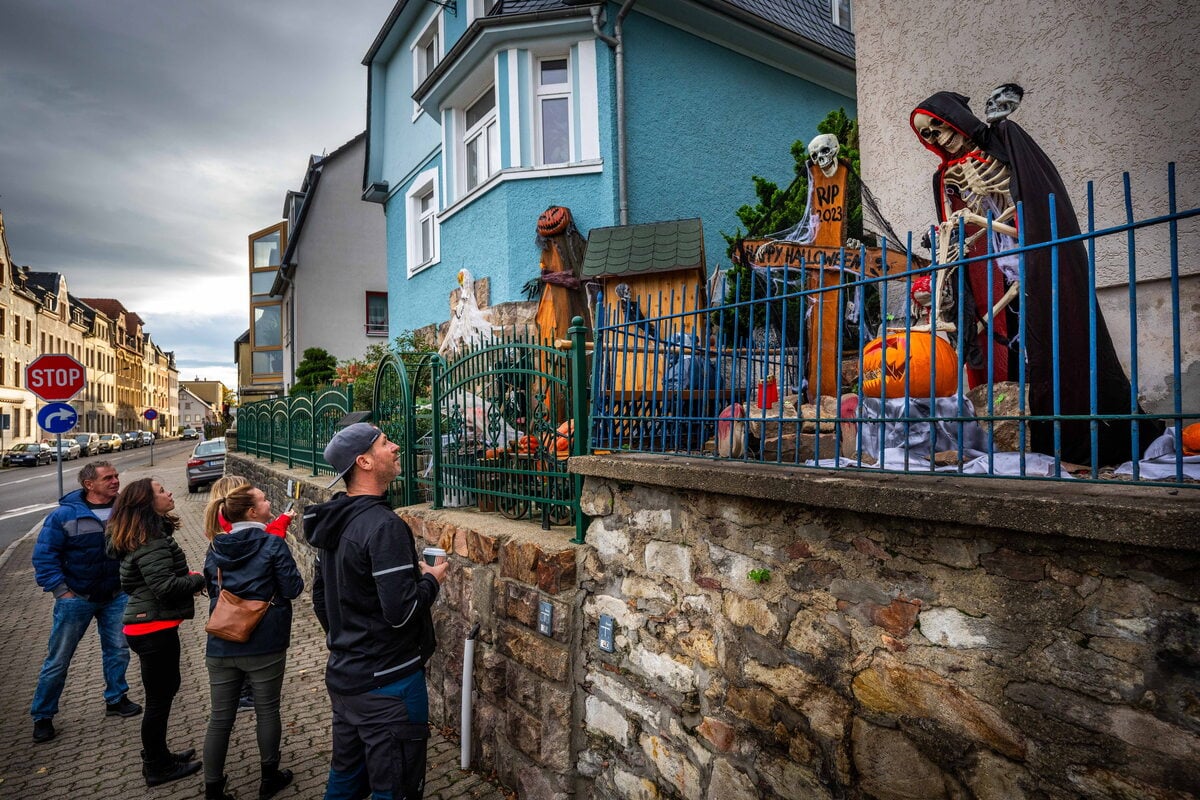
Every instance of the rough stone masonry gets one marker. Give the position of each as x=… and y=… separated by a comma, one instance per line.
x=907, y=637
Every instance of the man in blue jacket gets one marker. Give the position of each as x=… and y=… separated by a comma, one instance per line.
x=373, y=596
x=70, y=561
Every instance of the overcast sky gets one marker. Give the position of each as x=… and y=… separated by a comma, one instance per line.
x=142, y=141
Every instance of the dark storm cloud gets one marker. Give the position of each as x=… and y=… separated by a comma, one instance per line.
x=141, y=141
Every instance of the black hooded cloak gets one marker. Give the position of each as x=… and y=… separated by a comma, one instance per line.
x=1034, y=179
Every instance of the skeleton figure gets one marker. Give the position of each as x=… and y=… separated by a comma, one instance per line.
x=1002, y=102
x=824, y=151
x=1063, y=343
x=974, y=184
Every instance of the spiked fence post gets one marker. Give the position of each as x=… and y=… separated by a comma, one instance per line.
x=581, y=440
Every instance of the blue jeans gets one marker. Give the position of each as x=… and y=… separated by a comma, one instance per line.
x=72, y=616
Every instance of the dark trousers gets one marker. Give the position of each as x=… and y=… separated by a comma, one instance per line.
x=158, y=654
x=379, y=740
x=225, y=678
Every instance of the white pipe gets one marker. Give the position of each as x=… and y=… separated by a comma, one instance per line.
x=468, y=691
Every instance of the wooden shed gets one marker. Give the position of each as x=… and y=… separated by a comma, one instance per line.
x=662, y=265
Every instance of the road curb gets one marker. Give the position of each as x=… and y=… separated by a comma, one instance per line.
x=8, y=551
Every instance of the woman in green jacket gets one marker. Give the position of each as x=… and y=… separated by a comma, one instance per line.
x=161, y=589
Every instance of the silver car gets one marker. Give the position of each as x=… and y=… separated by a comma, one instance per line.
x=206, y=464
x=66, y=450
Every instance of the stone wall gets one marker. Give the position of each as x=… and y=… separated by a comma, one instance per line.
x=897, y=651
x=526, y=709
x=912, y=637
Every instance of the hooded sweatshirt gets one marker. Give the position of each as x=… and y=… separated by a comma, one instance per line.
x=254, y=565
x=369, y=593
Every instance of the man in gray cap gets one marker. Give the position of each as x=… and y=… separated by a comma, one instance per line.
x=372, y=595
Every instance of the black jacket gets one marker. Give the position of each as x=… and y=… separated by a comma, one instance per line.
x=369, y=594
x=255, y=566
x=157, y=579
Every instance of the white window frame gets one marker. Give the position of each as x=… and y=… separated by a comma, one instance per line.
x=558, y=91
x=477, y=9
x=432, y=33
x=425, y=185
x=488, y=127
x=836, y=14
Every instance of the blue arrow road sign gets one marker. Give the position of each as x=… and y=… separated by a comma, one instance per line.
x=57, y=418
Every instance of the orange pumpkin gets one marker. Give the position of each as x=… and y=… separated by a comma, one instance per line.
x=559, y=442
x=553, y=221
x=527, y=445
x=890, y=353
x=1191, y=439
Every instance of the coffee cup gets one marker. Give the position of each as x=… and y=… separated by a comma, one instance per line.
x=434, y=556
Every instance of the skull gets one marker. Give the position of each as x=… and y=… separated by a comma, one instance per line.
x=824, y=150
x=938, y=133
x=1003, y=101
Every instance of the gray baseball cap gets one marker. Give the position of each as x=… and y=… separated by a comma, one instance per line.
x=348, y=444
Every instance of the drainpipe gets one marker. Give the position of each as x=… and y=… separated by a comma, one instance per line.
x=617, y=43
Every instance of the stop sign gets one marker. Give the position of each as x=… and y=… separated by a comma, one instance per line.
x=54, y=377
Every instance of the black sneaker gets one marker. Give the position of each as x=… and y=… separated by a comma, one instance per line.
x=43, y=730
x=122, y=708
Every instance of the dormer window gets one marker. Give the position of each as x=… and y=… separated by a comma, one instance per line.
x=843, y=16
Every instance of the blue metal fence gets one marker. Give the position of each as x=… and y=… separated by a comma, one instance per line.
x=703, y=382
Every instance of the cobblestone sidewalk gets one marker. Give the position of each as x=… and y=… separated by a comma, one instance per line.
x=98, y=757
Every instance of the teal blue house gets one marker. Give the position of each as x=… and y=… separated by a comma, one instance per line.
x=482, y=113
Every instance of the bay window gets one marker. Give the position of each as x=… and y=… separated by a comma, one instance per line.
x=554, y=110
x=482, y=139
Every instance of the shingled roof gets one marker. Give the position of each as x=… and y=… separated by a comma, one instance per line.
x=811, y=19
x=643, y=249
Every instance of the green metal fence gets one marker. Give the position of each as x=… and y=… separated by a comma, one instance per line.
x=491, y=429
x=294, y=430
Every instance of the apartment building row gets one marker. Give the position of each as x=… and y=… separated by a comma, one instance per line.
x=127, y=372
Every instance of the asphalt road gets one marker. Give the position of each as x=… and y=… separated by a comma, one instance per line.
x=27, y=494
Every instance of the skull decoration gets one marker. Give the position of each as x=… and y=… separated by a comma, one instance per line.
x=824, y=150
x=938, y=133
x=1003, y=101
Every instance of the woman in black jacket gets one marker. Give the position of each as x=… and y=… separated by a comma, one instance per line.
x=155, y=575
x=254, y=565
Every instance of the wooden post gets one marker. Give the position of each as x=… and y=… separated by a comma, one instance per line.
x=829, y=206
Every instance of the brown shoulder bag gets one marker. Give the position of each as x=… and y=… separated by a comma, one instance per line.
x=234, y=618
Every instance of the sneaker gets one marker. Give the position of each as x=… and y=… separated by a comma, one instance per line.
x=122, y=708
x=43, y=730
x=245, y=704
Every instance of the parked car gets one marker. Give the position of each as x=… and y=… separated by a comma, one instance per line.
x=131, y=439
x=65, y=450
x=147, y=437
x=111, y=443
x=206, y=464
x=29, y=454
x=191, y=433
x=89, y=443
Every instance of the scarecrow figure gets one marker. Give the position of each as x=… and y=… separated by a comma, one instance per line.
x=985, y=171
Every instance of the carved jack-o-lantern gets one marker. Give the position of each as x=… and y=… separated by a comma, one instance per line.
x=1191, y=439
x=921, y=365
x=553, y=221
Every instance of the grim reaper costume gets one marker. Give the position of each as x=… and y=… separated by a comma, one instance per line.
x=1031, y=179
